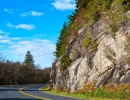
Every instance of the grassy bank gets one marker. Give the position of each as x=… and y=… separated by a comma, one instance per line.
x=74, y=95
x=108, y=92
x=47, y=90
x=119, y=92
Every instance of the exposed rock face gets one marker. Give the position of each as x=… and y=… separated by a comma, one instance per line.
x=109, y=64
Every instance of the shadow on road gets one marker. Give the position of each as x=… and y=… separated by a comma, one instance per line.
x=18, y=90
x=18, y=99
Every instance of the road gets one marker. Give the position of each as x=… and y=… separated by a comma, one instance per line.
x=28, y=92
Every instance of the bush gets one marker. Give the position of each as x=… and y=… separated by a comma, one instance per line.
x=116, y=15
x=94, y=45
x=88, y=42
x=127, y=47
x=65, y=62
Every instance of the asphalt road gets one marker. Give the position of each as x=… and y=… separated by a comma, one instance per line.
x=28, y=92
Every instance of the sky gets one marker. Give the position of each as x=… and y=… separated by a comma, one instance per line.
x=32, y=25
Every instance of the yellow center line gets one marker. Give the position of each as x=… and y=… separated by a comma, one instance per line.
x=34, y=96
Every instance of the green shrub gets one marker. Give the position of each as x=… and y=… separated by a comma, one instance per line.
x=88, y=42
x=93, y=45
x=99, y=92
x=64, y=62
x=127, y=3
x=128, y=39
x=116, y=15
x=95, y=8
x=127, y=47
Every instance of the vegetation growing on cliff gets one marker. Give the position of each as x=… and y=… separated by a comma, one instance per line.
x=88, y=12
x=88, y=42
x=65, y=62
x=61, y=42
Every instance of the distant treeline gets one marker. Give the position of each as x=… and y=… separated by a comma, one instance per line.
x=12, y=73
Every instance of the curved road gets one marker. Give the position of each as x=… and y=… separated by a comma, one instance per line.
x=28, y=92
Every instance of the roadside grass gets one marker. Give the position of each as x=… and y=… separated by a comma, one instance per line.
x=114, y=92
x=90, y=92
x=46, y=89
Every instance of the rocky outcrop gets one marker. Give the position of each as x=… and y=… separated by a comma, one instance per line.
x=109, y=64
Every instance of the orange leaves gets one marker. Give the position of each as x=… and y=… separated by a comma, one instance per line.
x=108, y=91
x=79, y=20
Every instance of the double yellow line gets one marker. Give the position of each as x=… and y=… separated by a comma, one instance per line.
x=34, y=96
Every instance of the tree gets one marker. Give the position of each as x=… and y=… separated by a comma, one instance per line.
x=62, y=41
x=72, y=18
x=81, y=3
x=28, y=59
x=65, y=62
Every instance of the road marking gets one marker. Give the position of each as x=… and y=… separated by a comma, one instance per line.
x=34, y=96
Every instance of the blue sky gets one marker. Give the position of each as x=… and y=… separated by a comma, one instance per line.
x=32, y=25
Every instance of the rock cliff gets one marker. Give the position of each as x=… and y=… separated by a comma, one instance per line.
x=108, y=63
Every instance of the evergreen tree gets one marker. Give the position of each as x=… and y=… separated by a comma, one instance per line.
x=62, y=41
x=81, y=3
x=28, y=59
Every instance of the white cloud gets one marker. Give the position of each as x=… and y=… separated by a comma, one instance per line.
x=16, y=38
x=64, y=4
x=2, y=32
x=10, y=25
x=5, y=39
x=42, y=50
x=17, y=10
x=25, y=26
x=32, y=13
x=22, y=26
x=8, y=10
x=40, y=35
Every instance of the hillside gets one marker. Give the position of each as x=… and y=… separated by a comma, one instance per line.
x=93, y=46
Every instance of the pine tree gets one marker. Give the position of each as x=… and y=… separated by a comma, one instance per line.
x=81, y=3
x=28, y=59
x=61, y=43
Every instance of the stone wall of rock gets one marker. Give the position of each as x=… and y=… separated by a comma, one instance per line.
x=109, y=64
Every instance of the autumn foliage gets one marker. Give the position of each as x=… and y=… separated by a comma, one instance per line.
x=110, y=91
